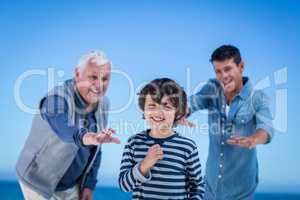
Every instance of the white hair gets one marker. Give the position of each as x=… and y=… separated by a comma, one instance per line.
x=97, y=57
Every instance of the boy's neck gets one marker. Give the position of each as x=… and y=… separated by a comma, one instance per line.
x=161, y=133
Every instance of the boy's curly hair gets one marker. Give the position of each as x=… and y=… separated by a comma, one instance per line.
x=158, y=88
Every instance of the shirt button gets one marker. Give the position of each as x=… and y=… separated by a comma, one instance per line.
x=221, y=165
x=243, y=121
x=219, y=176
x=222, y=143
x=221, y=154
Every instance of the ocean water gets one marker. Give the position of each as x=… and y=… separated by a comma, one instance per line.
x=10, y=190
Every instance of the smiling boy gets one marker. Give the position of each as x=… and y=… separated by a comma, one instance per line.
x=159, y=163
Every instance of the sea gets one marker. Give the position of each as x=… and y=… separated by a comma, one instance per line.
x=10, y=190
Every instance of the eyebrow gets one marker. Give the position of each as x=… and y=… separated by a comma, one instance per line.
x=167, y=104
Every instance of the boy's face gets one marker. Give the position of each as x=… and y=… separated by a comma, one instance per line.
x=159, y=116
x=230, y=75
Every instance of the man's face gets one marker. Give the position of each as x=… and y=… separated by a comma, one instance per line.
x=92, y=82
x=159, y=116
x=230, y=75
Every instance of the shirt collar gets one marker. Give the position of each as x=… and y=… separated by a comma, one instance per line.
x=246, y=90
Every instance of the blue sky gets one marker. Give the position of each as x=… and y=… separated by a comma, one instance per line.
x=146, y=40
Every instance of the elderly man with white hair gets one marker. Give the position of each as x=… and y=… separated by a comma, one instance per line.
x=62, y=153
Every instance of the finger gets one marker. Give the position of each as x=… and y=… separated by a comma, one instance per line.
x=232, y=141
x=190, y=124
x=252, y=146
x=236, y=137
x=101, y=138
x=112, y=130
x=115, y=140
x=246, y=143
x=159, y=151
x=155, y=146
x=187, y=123
x=160, y=157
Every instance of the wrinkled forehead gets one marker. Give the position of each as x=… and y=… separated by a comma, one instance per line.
x=96, y=69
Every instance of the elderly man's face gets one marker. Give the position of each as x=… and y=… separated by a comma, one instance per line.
x=92, y=82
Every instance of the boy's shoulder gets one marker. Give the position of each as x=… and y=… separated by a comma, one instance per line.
x=138, y=136
x=185, y=140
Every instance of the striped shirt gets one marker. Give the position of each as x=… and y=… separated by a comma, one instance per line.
x=176, y=176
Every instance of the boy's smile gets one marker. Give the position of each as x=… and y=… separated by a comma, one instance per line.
x=160, y=116
x=157, y=119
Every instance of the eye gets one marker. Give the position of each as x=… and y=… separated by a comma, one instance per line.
x=168, y=107
x=93, y=77
x=105, y=78
x=218, y=72
x=227, y=69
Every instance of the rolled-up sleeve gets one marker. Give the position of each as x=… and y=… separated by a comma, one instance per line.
x=264, y=118
x=201, y=99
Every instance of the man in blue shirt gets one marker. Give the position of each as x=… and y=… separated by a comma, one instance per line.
x=61, y=156
x=239, y=118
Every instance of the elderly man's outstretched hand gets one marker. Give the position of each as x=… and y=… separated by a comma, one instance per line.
x=105, y=136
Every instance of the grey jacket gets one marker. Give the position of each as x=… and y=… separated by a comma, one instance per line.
x=45, y=158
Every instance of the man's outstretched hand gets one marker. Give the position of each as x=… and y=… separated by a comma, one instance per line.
x=243, y=141
x=105, y=136
x=260, y=137
x=183, y=121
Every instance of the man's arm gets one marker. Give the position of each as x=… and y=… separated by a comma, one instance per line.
x=200, y=100
x=55, y=110
x=264, y=126
x=260, y=137
x=91, y=180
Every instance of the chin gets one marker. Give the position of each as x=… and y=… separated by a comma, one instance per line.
x=93, y=101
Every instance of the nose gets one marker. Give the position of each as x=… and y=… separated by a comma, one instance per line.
x=225, y=76
x=98, y=83
x=159, y=111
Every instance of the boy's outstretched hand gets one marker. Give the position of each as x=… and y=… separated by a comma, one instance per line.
x=105, y=136
x=154, y=154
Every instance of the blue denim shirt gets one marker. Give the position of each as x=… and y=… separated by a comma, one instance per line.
x=232, y=171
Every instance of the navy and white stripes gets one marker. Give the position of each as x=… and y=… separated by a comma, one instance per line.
x=176, y=176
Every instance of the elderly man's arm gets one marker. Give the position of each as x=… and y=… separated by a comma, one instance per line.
x=91, y=180
x=55, y=110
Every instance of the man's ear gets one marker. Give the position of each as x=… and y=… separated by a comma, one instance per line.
x=242, y=66
x=77, y=74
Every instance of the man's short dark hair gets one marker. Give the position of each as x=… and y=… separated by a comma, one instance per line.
x=158, y=88
x=225, y=52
